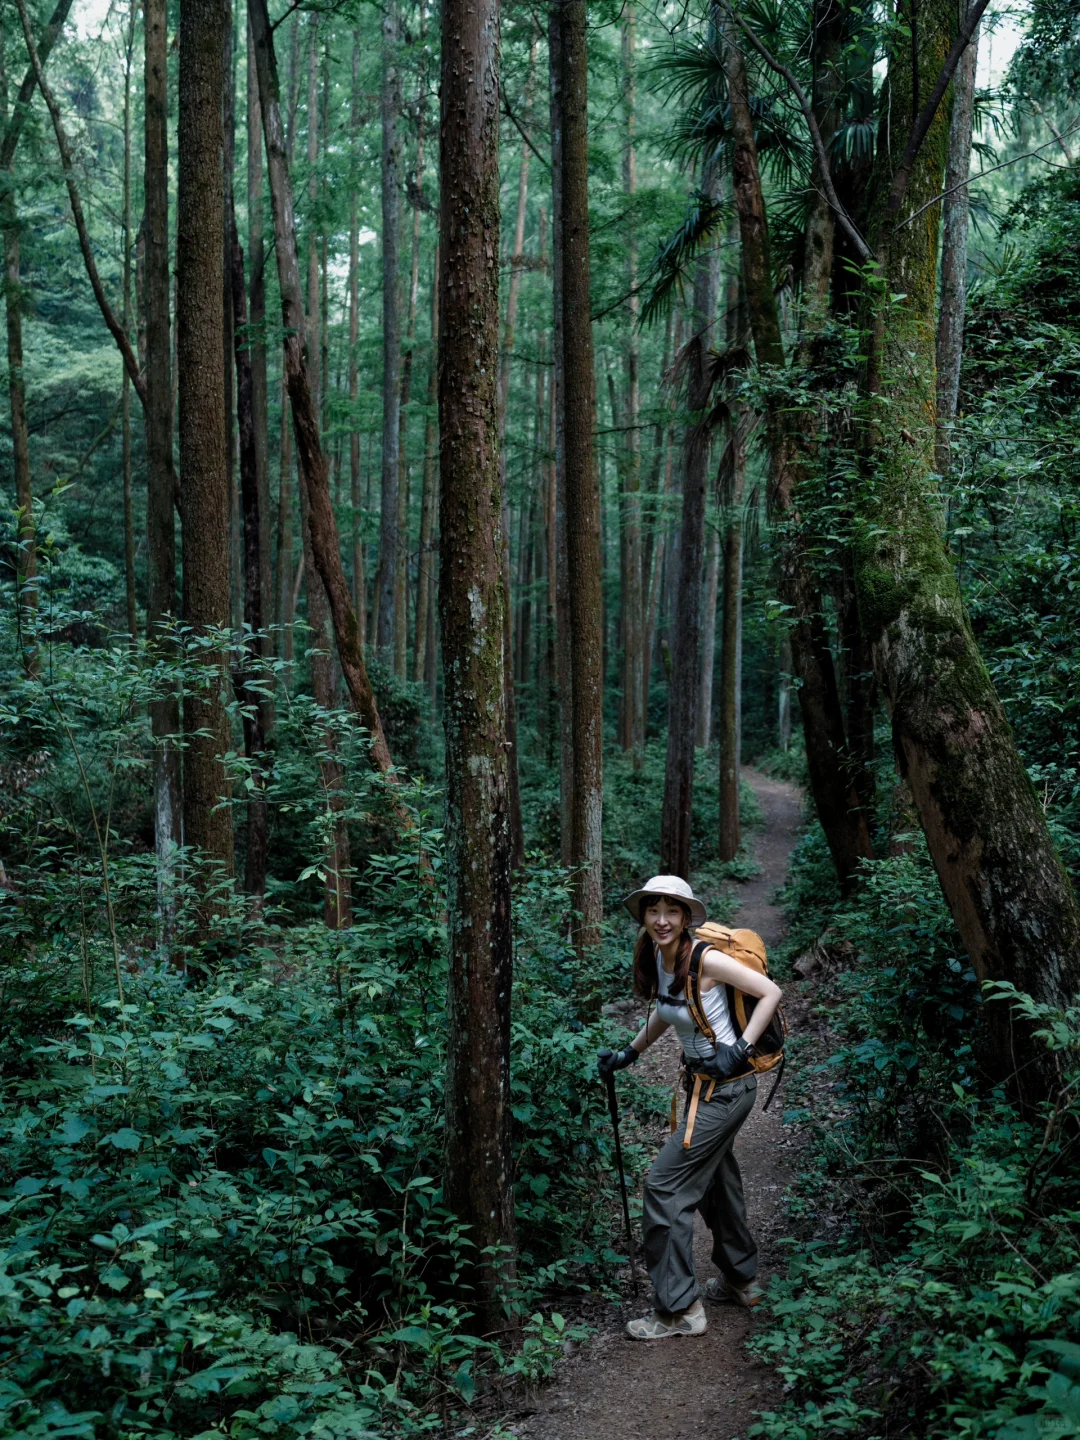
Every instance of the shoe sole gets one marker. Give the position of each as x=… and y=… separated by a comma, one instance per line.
x=728, y=1299
x=671, y=1335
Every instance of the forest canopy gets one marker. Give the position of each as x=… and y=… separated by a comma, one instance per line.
x=425, y=504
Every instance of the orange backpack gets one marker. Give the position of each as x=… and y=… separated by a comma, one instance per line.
x=748, y=948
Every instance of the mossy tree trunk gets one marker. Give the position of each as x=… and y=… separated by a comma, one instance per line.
x=478, y=1177
x=986, y=830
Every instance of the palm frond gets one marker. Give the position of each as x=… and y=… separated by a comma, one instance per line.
x=667, y=273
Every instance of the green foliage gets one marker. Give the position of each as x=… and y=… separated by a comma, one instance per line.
x=945, y=1299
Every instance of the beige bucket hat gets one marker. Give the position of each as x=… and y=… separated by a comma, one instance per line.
x=673, y=887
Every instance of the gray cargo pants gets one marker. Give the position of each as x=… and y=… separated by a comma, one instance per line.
x=703, y=1177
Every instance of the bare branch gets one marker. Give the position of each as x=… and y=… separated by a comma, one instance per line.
x=936, y=200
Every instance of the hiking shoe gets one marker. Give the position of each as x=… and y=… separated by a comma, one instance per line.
x=722, y=1292
x=659, y=1326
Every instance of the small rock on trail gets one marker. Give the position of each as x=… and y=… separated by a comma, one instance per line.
x=708, y=1387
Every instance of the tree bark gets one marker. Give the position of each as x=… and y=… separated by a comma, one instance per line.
x=517, y=256
x=204, y=492
x=253, y=676
x=359, y=577
x=583, y=551
x=633, y=596
x=563, y=670
x=954, y=249
x=391, y=214
x=429, y=500
x=1008, y=892
x=158, y=419
x=677, y=814
x=478, y=1183
x=708, y=641
x=312, y=461
x=125, y=399
x=730, y=836
x=260, y=385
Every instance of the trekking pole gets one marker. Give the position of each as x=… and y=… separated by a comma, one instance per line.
x=613, y=1108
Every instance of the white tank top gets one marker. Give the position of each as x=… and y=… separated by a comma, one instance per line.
x=675, y=1011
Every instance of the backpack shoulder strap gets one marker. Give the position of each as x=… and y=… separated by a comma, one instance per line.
x=693, y=992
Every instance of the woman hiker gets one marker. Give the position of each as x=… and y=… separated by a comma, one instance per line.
x=704, y=1175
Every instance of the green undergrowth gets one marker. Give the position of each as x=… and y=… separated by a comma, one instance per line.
x=932, y=1287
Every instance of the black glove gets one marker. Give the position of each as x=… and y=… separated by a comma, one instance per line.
x=608, y=1061
x=729, y=1060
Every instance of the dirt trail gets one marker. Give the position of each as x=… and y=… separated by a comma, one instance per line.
x=709, y=1387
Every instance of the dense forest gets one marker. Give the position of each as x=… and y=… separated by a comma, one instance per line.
x=443, y=451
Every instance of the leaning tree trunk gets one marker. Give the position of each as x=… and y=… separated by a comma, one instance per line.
x=1008, y=892
x=479, y=1165
x=584, y=562
x=792, y=436
x=676, y=817
x=954, y=251
x=312, y=462
x=201, y=393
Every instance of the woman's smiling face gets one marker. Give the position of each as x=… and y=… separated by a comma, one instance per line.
x=665, y=920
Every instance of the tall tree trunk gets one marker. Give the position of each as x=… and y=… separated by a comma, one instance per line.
x=633, y=588
x=401, y=567
x=204, y=488
x=256, y=348
x=158, y=418
x=284, y=603
x=792, y=435
x=954, y=249
x=1009, y=894
x=236, y=536
x=391, y=213
x=677, y=815
x=125, y=399
x=478, y=1182
x=730, y=833
x=563, y=671
x=783, y=716
x=359, y=577
x=429, y=500
x=517, y=257
x=583, y=552
x=312, y=461
x=253, y=676
x=708, y=641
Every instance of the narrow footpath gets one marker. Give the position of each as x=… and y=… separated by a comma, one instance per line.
x=708, y=1387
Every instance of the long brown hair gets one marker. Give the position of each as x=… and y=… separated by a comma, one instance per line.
x=646, y=980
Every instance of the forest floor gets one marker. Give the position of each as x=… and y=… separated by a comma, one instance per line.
x=708, y=1387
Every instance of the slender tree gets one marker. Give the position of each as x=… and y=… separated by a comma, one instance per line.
x=161, y=607
x=312, y=459
x=676, y=818
x=391, y=217
x=633, y=586
x=201, y=390
x=583, y=551
x=478, y=1182
x=954, y=251
x=564, y=679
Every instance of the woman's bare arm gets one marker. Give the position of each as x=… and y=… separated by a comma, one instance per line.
x=651, y=1031
x=715, y=965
